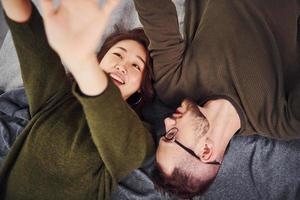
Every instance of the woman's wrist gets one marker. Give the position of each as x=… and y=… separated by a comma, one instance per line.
x=91, y=79
x=76, y=63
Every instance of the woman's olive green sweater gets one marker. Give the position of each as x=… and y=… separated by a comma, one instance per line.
x=75, y=147
x=246, y=51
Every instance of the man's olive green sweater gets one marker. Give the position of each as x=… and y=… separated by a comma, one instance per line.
x=75, y=147
x=245, y=51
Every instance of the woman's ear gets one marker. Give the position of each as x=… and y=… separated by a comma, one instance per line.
x=207, y=150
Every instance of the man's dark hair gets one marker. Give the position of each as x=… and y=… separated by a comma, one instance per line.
x=180, y=183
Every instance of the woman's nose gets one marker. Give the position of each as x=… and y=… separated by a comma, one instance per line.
x=121, y=68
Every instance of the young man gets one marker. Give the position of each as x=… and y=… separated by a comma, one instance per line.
x=239, y=60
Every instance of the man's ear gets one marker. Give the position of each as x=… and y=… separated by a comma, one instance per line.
x=207, y=150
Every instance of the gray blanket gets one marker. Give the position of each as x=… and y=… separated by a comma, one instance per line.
x=14, y=115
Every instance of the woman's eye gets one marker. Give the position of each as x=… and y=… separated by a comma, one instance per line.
x=118, y=55
x=136, y=66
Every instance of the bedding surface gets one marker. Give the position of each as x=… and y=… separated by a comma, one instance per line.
x=3, y=27
x=14, y=115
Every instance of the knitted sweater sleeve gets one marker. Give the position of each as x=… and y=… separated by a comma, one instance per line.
x=120, y=136
x=42, y=71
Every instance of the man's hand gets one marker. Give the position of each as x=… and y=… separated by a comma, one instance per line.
x=75, y=28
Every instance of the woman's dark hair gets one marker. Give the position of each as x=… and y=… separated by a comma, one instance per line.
x=139, y=36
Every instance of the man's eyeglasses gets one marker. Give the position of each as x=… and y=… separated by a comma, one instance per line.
x=170, y=137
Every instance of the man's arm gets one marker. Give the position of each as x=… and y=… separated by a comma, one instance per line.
x=167, y=46
x=42, y=71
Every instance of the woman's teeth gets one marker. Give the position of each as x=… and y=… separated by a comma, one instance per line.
x=117, y=78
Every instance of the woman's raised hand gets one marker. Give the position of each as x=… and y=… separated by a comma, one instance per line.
x=75, y=28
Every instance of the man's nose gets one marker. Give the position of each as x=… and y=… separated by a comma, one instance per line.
x=169, y=123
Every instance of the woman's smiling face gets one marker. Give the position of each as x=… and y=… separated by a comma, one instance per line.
x=125, y=63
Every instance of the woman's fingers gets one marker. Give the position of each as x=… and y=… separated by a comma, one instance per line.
x=109, y=6
x=47, y=8
x=76, y=26
x=112, y=3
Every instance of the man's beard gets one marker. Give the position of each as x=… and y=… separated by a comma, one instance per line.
x=199, y=121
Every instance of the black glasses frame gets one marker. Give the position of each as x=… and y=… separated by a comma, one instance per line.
x=171, y=138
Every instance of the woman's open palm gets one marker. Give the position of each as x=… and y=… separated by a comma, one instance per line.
x=75, y=28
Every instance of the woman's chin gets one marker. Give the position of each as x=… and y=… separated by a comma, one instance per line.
x=118, y=84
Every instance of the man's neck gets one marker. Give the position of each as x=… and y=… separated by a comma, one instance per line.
x=224, y=123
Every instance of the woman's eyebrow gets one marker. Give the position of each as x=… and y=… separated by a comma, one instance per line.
x=139, y=57
x=122, y=48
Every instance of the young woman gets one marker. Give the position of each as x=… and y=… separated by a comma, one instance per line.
x=83, y=137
